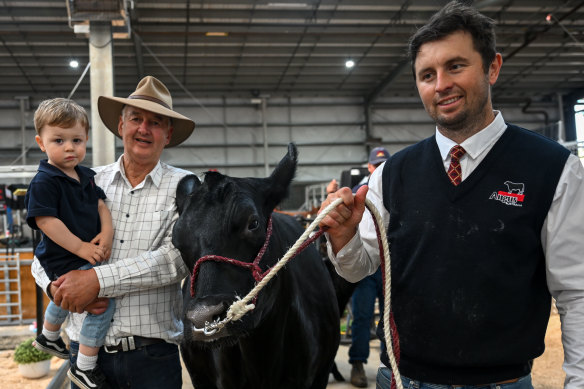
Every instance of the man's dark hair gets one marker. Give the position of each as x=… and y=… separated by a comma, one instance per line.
x=454, y=17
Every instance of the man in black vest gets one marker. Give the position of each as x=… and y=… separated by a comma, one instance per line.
x=484, y=222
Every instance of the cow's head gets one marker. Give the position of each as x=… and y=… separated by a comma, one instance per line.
x=226, y=216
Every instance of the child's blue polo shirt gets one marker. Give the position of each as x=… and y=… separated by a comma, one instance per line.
x=52, y=193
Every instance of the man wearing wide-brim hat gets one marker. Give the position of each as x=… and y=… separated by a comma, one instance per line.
x=144, y=271
x=150, y=95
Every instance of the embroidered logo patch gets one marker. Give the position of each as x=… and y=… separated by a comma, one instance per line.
x=513, y=196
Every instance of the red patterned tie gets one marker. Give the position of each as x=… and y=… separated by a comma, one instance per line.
x=454, y=171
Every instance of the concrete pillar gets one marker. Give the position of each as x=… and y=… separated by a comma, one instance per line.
x=24, y=106
x=101, y=84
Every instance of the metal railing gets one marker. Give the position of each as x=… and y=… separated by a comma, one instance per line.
x=10, y=266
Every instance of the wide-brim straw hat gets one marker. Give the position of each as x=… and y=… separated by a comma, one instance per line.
x=151, y=95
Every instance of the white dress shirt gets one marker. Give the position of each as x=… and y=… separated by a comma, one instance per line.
x=144, y=271
x=562, y=238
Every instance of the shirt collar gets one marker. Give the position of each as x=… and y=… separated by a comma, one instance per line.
x=53, y=171
x=155, y=174
x=117, y=169
x=476, y=144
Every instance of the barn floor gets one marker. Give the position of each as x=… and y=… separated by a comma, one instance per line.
x=547, y=371
x=342, y=361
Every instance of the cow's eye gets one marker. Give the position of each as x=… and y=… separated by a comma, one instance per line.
x=253, y=224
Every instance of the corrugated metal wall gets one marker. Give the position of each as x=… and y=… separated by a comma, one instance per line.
x=331, y=134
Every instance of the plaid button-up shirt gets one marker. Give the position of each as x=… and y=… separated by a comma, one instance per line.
x=145, y=269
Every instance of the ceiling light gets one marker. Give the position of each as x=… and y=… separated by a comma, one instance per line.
x=74, y=64
x=216, y=33
x=287, y=5
x=349, y=64
x=548, y=18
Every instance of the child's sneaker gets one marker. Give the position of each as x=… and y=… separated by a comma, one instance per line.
x=53, y=347
x=88, y=379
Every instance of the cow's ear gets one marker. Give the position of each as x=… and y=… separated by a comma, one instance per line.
x=185, y=187
x=281, y=177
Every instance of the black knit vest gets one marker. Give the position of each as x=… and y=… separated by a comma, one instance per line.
x=469, y=289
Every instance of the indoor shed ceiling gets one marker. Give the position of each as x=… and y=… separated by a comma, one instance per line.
x=283, y=48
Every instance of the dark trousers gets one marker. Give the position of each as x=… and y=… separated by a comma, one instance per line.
x=154, y=366
x=363, y=305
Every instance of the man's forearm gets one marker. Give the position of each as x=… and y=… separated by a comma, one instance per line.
x=152, y=269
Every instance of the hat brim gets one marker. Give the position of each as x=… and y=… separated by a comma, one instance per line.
x=110, y=109
x=378, y=161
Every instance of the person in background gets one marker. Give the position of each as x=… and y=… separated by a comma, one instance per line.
x=363, y=299
x=484, y=222
x=65, y=204
x=144, y=271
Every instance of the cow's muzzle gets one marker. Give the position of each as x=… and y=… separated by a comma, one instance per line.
x=206, y=319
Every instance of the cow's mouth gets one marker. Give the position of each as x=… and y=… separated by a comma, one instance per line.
x=218, y=334
x=210, y=332
x=210, y=329
x=225, y=338
x=208, y=321
x=200, y=335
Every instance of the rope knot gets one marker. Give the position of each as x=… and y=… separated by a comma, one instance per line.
x=257, y=274
x=238, y=309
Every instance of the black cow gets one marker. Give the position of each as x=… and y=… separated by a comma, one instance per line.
x=291, y=337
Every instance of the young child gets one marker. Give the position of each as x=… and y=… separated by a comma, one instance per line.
x=69, y=209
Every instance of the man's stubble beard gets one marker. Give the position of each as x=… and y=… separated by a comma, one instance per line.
x=470, y=120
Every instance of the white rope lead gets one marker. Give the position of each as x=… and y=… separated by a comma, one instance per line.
x=242, y=306
x=387, y=295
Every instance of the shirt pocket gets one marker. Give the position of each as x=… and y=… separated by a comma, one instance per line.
x=153, y=228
